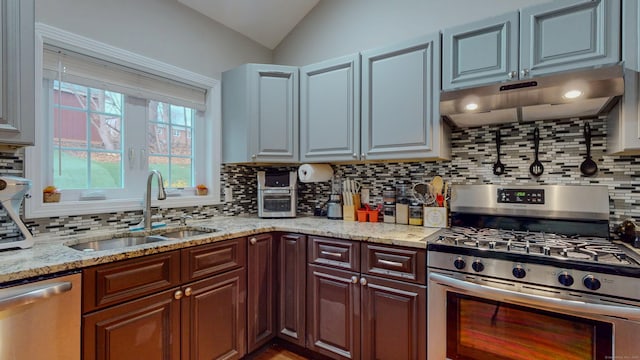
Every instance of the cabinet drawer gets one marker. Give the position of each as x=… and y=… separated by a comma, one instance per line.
x=207, y=260
x=394, y=262
x=124, y=280
x=342, y=254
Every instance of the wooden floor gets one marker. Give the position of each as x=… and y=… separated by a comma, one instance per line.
x=277, y=352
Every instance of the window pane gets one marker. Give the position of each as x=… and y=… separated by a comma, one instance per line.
x=74, y=166
x=105, y=101
x=160, y=163
x=180, y=172
x=181, y=141
x=105, y=132
x=70, y=95
x=158, y=139
x=70, y=128
x=106, y=172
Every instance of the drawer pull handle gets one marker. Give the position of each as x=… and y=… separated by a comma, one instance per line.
x=178, y=295
x=329, y=253
x=390, y=263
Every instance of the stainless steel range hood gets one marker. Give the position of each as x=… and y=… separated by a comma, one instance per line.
x=539, y=98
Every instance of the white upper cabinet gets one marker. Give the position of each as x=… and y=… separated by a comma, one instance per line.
x=17, y=94
x=330, y=110
x=550, y=37
x=400, y=102
x=260, y=114
x=623, y=123
x=482, y=52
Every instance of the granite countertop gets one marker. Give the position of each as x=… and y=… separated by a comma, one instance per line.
x=50, y=254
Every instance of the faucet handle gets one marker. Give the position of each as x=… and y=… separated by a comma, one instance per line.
x=183, y=219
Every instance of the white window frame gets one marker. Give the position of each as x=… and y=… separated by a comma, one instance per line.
x=35, y=156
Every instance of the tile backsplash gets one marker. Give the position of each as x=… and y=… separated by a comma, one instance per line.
x=562, y=150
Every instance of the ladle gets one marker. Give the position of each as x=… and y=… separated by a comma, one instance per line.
x=536, y=169
x=498, y=167
x=588, y=166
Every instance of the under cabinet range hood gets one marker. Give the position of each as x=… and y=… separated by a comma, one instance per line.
x=563, y=95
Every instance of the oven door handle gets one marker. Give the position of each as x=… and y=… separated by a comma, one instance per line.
x=542, y=301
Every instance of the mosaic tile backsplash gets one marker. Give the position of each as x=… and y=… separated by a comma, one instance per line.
x=562, y=150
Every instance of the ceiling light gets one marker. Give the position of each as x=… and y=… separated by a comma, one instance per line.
x=471, y=106
x=572, y=94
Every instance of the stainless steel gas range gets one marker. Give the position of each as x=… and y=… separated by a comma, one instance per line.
x=529, y=272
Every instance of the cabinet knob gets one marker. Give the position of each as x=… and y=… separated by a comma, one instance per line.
x=178, y=295
x=363, y=281
x=363, y=155
x=355, y=155
x=253, y=241
x=354, y=279
x=188, y=291
x=524, y=73
x=512, y=74
x=253, y=156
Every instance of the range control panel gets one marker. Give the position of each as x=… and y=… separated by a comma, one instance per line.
x=521, y=196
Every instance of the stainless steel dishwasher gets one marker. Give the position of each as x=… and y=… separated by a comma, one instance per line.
x=41, y=320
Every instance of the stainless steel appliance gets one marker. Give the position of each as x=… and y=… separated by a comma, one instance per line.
x=277, y=194
x=41, y=320
x=13, y=189
x=528, y=272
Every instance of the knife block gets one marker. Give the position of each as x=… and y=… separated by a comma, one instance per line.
x=349, y=211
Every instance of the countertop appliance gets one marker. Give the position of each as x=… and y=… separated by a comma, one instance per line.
x=13, y=189
x=529, y=272
x=41, y=320
x=277, y=194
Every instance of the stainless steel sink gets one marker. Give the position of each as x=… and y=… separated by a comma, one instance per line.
x=117, y=242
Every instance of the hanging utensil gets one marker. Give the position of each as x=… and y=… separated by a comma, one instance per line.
x=588, y=166
x=498, y=167
x=536, y=169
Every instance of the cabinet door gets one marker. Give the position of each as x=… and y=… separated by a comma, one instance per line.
x=260, y=291
x=569, y=34
x=291, y=288
x=214, y=317
x=481, y=52
x=631, y=34
x=148, y=327
x=274, y=113
x=400, y=101
x=330, y=110
x=17, y=78
x=394, y=320
x=333, y=312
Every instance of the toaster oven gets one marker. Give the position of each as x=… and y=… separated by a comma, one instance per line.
x=277, y=194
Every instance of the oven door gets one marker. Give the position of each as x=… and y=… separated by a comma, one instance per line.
x=484, y=319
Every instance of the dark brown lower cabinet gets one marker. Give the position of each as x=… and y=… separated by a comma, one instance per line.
x=213, y=317
x=148, y=327
x=260, y=291
x=333, y=312
x=394, y=317
x=291, y=261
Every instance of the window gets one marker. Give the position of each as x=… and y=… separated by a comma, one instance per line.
x=108, y=117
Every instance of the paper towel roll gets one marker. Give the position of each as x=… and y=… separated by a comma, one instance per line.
x=315, y=172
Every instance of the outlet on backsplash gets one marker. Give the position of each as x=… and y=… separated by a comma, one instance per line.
x=228, y=194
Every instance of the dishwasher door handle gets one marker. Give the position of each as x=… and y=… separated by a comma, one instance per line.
x=11, y=298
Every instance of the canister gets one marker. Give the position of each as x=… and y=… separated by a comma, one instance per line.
x=389, y=211
x=415, y=214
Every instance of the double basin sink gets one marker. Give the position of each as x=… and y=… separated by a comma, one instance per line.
x=133, y=238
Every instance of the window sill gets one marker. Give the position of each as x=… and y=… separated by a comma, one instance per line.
x=33, y=210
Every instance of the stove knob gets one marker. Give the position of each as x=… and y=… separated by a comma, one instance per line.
x=519, y=272
x=565, y=279
x=459, y=263
x=477, y=266
x=591, y=283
